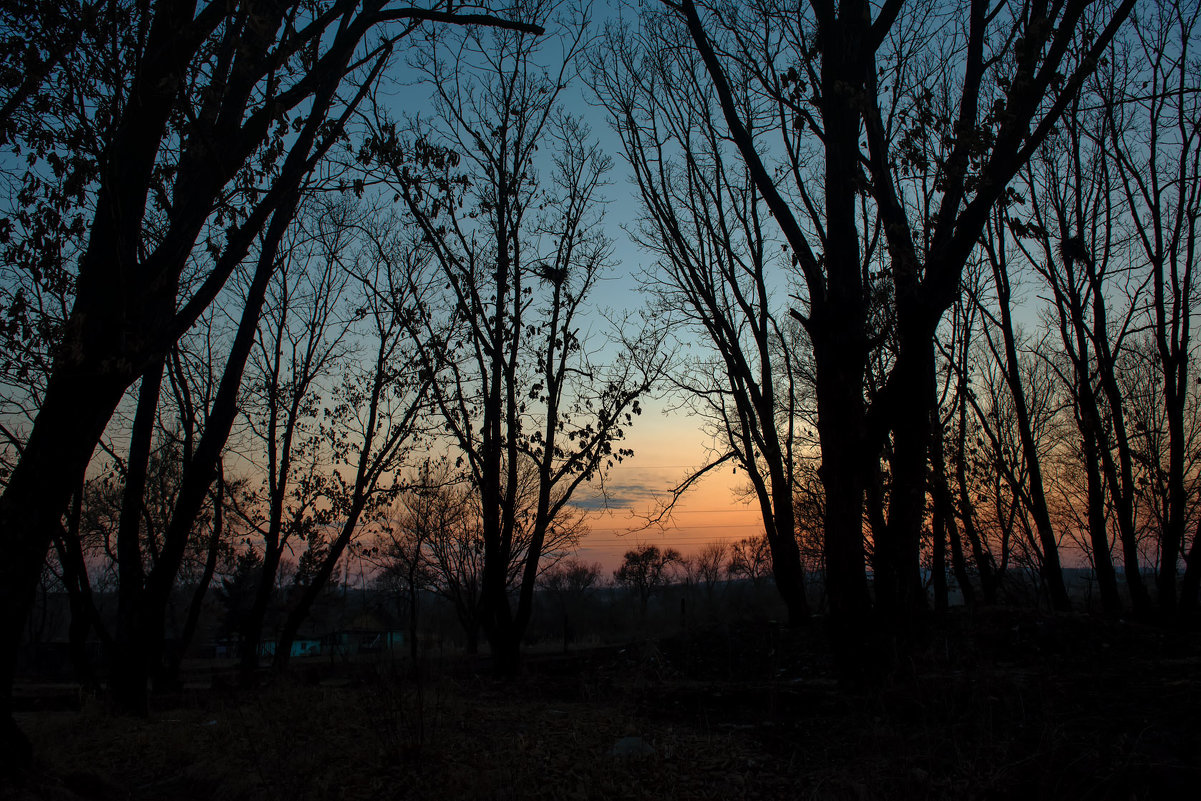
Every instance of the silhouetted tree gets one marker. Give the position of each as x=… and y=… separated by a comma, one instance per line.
x=570, y=582
x=645, y=570
x=299, y=342
x=503, y=185
x=1071, y=241
x=1151, y=96
x=932, y=178
x=417, y=516
x=374, y=415
x=717, y=274
x=749, y=559
x=1033, y=490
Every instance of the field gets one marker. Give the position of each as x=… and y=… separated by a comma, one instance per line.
x=996, y=704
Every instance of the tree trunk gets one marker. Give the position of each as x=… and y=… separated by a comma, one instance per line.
x=1098, y=533
x=944, y=511
x=196, y=606
x=1191, y=582
x=840, y=408
x=967, y=511
x=1051, y=571
x=899, y=574
x=77, y=405
x=130, y=669
x=1172, y=533
x=785, y=553
x=1122, y=495
x=252, y=629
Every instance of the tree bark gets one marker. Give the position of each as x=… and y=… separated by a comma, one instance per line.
x=196, y=606
x=945, y=531
x=1098, y=530
x=967, y=513
x=131, y=668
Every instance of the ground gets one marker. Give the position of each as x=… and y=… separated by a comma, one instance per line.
x=997, y=704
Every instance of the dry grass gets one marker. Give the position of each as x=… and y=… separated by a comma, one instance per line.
x=999, y=707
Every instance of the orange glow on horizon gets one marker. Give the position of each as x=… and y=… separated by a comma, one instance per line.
x=667, y=447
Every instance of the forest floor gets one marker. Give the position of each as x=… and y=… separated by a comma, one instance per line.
x=995, y=704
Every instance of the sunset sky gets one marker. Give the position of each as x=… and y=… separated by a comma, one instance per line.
x=667, y=445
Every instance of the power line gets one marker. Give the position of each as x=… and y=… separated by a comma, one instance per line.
x=615, y=529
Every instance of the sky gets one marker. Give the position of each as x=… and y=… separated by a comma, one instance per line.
x=667, y=446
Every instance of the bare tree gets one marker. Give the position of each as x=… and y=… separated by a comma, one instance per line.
x=968, y=443
x=1074, y=237
x=419, y=515
x=375, y=413
x=749, y=559
x=1034, y=491
x=570, y=582
x=298, y=345
x=710, y=562
x=455, y=551
x=719, y=272
x=1152, y=104
x=645, y=570
x=503, y=185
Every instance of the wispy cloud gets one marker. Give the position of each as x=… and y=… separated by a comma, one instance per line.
x=634, y=488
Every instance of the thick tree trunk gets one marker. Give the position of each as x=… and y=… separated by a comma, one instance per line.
x=1191, y=583
x=838, y=331
x=107, y=342
x=252, y=629
x=900, y=592
x=196, y=606
x=786, y=565
x=840, y=408
x=130, y=668
x=144, y=641
x=76, y=408
x=1172, y=533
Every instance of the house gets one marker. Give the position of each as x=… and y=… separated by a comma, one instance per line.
x=303, y=645
x=370, y=632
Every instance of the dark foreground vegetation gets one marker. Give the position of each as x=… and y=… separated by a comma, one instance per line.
x=995, y=703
